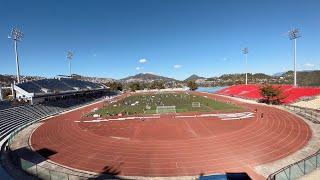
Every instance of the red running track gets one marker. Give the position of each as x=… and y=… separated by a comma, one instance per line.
x=170, y=146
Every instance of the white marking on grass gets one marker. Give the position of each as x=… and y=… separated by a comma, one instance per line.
x=120, y=119
x=230, y=116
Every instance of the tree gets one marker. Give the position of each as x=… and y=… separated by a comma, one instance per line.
x=192, y=85
x=271, y=95
x=6, y=93
x=135, y=86
x=115, y=86
x=157, y=85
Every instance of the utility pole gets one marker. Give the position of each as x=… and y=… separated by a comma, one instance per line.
x=69, y=57
x=16, y=36
x=245, y=51
x=293, y=35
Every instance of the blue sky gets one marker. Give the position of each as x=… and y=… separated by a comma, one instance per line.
x=174, y=38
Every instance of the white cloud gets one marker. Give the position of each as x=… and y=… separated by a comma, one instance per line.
x=142, y=61
x=308, y=65
x=224, y=59
x=177, y=66
x=139, y=68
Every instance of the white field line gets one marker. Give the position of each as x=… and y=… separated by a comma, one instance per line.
x=120, y=119
x=230, y=116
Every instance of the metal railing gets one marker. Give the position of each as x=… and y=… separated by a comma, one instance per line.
x=306, y=165
x=310, y=114
x=297, y=169
x=47, y=173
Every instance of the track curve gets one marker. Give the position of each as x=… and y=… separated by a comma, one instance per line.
x=173, y=147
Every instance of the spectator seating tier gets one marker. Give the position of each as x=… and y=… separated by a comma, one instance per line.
x=57, y=85
x=290, y=93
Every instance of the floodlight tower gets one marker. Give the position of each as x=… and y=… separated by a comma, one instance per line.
x=245, y=51
x=293, y=35
x=16, y=35
x=69, y=57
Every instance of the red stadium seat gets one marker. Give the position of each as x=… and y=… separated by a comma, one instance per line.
x=251, y=91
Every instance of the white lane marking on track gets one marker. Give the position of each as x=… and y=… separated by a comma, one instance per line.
x=123, y=138
x=184, y=116
x=231, y=119
x=190, y=129
x=95, y=120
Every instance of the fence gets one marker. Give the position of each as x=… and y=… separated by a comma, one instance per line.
x=45, y=173
x=310, y=114
x=306, y=165
x=297, y=169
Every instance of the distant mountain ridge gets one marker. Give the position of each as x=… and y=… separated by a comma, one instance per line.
x=194, y=77
x=278, y=74
x=143, y=77
x=305, y=78
x=93, y=79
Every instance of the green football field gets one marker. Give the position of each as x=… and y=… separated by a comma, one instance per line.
x=147, y=104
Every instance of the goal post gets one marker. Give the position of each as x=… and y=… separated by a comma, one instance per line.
x=196, y=104
x=166, y=109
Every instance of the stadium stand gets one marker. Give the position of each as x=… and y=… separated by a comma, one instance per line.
x=4, y=105
x=312, y=103
x=12, y=118
x=56, y=85
x=80, y=84
x=31, y=87
x=9, y=104
x=38, y=91
x=291, y=94
x=15, y=118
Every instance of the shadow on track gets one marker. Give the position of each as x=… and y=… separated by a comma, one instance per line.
x=109, y=172
x=227, y=176
x=29, y=155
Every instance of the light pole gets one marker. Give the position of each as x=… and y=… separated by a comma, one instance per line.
x=69, y=57
x=293, y=35
x=245, y=51
x=16, y=35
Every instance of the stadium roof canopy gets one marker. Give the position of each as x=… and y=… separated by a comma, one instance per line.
x=57, y=85
x=60, y=86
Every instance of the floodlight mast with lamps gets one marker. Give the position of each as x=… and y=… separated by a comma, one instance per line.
x=16, y=35
x=69, y=57
x=245, y=51
x=293, y=35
